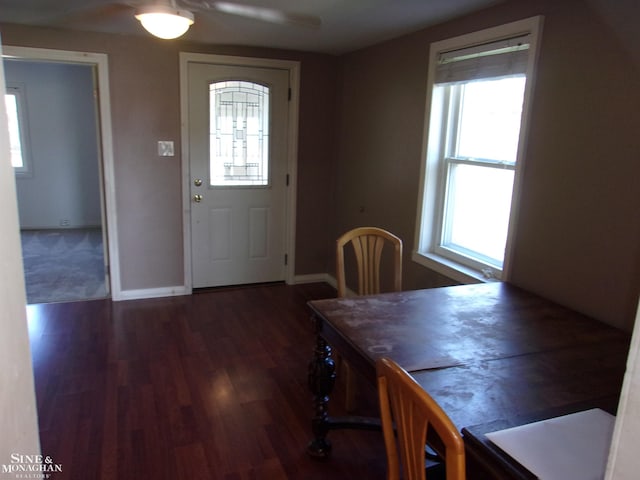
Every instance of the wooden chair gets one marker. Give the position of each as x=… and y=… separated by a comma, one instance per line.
x=405, y=404
x=368, y=244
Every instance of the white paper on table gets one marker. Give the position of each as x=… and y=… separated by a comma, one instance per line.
x=574, y=446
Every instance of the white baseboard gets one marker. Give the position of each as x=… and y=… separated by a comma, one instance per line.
x=315, y=278
x=152, y=293
x=183, y=290
x=322, y=277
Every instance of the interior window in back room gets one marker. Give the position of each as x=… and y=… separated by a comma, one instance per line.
x=14, y=101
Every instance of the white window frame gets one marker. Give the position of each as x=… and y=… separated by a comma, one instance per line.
x=430, y=204
x=18, y=90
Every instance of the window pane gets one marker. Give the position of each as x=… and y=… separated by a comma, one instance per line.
x=490, y=119
x=477, y=214
x=239, y=133
x=11, y=102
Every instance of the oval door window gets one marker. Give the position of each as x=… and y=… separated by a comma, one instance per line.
x=238, y=134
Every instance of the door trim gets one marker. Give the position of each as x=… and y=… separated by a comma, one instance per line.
x=107, y=178
x=293, y=68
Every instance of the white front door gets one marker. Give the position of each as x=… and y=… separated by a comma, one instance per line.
x=238, y=124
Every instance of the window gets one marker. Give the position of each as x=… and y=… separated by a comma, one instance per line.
x=239, y=136
x=478, y=90
x=14, y=102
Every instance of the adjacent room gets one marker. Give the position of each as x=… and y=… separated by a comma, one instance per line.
x=273, y=127
x=58, y=182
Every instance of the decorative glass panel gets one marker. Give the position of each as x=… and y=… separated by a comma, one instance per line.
x=239, y=134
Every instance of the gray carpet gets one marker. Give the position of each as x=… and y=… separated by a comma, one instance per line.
x=63, y=265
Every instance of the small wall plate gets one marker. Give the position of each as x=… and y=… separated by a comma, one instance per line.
x=165, y=148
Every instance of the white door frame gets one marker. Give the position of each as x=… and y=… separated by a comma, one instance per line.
x=292, y=150
x=107, y=182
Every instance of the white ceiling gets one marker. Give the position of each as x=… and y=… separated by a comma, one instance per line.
x=346, y=25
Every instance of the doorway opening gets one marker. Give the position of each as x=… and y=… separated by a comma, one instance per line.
x=67, y=224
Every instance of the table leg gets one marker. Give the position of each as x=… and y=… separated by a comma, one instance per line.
x=322, y=376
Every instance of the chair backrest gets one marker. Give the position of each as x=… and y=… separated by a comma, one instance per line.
x=368, y=244
x=406, y=404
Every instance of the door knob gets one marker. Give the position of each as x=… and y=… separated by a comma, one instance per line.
x=197, y=182
x=197, y=198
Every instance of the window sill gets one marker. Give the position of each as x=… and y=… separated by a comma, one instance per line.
x=450, y=269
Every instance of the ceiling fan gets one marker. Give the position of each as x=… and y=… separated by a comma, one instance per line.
x=172, y=18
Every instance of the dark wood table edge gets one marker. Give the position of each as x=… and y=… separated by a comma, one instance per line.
x=479, y=448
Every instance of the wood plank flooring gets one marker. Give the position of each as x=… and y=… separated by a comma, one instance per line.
x=207, y=386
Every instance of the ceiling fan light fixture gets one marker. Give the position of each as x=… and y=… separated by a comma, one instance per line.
x=164, y=21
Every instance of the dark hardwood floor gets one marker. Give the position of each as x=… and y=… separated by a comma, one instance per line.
x=207, y=386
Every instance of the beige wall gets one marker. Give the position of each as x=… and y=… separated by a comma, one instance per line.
x=623, y=456
x=145, y=107
x=578, y=232
x=18, y=418
x=578, y=238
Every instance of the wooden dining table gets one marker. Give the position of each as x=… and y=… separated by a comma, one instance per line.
x=492, y=355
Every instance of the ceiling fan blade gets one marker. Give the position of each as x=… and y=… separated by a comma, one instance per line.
x=265, y=14
x=91, y=14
